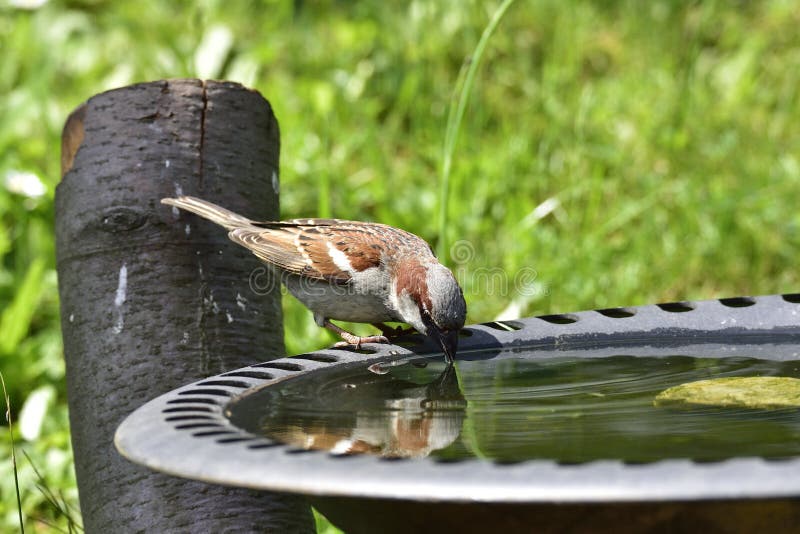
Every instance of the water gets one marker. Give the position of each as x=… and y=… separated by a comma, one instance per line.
x=512, y=409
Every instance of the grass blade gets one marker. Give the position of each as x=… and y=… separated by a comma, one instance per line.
x=466, y=80
x=13, y=453
x=16, y=318
x=61, y=505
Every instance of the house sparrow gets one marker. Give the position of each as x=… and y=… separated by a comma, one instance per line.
x=352, y=271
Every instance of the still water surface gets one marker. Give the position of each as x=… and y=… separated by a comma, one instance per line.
x=514, y=409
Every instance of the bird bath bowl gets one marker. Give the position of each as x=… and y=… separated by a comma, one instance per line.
x=544, y=424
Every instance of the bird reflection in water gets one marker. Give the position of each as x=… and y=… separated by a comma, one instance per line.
x=382, y=412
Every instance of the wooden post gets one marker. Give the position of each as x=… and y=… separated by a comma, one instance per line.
x=152, y=299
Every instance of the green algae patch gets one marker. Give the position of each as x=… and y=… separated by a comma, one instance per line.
x=754, y=392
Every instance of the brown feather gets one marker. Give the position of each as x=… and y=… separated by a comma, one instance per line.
x=273, y=247
x=413, y=278
x=302, y=249
x=301, y=246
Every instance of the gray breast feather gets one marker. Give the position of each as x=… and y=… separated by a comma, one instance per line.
x=364, y=300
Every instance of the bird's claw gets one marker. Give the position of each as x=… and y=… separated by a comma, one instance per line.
x=357, y=341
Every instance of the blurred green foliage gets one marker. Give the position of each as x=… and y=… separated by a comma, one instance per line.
x=612, y=153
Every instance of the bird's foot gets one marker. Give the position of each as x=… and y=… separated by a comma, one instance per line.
x=352, y=340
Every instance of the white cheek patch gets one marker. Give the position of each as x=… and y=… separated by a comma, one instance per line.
x=339, y=258
x=408, y=310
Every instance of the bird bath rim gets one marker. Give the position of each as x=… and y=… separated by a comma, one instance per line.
x=186, y=432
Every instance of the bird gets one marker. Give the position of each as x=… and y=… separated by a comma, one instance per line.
x=354, y=271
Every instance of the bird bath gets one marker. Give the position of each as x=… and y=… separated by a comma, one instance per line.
x=545, y=424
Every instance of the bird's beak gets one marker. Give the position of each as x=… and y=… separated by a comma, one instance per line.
x=448, y=340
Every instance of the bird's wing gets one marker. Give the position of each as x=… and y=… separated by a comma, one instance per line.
x=323, y=249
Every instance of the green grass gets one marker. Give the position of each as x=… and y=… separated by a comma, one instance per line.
x=610, y=153
x=9, y=424
x=458, y=107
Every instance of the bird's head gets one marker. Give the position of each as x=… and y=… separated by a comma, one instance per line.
x=430, y=299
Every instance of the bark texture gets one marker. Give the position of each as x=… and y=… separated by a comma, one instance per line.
x=152, y=299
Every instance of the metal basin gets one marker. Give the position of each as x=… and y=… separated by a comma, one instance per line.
x=545, y=424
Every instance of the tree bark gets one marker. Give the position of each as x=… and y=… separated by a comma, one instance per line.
x=152, y=299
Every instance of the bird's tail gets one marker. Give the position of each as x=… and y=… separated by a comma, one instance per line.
x=207, y=210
